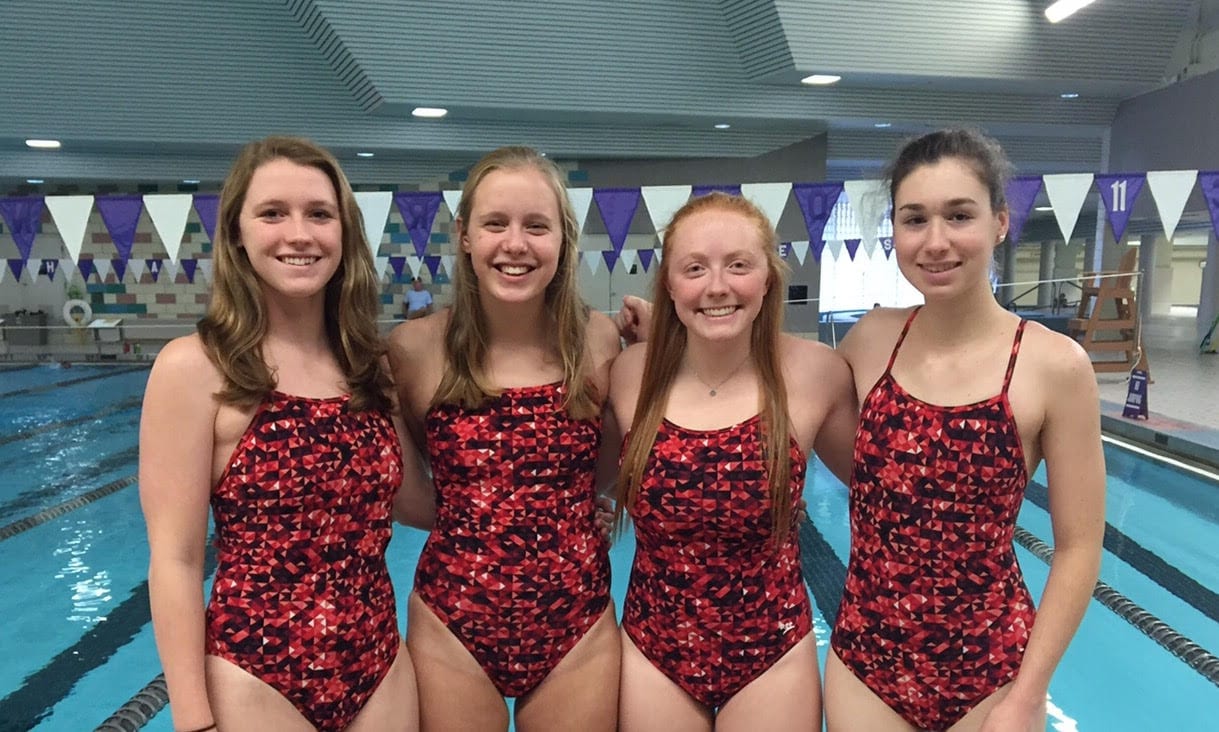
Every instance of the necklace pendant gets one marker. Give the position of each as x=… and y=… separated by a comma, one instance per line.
x=712, y=392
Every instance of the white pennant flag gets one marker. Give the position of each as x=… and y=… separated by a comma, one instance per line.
x=374, y=207
x=205, y=266
x=627, y=259
x=801, y=250
x=1067, y=192
x=3, y=270
x=581, y=198
x=663, y=202
x=382, y=264
x=71, y=216
x=168, y=212
x=169, y=269
x=659, y=253
x=593, y=260
x=452, y=199
x=102, y=265
x=447, y=261
x=835, y=247
x=869, y=201
x=415, y=263
x=770, y=197
x=1171, y=189
x=135, y=269
x=66, y=268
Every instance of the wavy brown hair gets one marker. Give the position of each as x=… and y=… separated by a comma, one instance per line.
x=236, y=321
x=667, y=345
x=465, y=340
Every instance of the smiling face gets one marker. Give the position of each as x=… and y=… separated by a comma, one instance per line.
x=290, y=228
x=717, y=273
x=514, y=235
x=945, y=230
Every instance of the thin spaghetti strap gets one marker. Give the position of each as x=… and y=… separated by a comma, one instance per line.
x=1011, y=362
x=900, y=338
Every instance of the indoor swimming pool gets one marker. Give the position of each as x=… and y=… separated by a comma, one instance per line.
x=73, y=562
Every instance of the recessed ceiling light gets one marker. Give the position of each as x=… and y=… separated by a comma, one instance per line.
x=33, y=181
x=364, y=154
x=1044, y=208
x=1065, y=8
x=723, y=126
x=191, y=181
x=821, y=79
x=1069, y=95
x=883, y=125
x=429, y=112
x=542, y=154
x=43, y=144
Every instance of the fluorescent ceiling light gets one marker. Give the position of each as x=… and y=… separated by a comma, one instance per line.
x=882, y=125
x=821, y=79
x=1069, y=95
x=1064, y=9
x=1044, y=208
x=364, y=154
x=43, y=144
x=723, y=126
x=191, y=181
x=429, y=112
x=33, y=181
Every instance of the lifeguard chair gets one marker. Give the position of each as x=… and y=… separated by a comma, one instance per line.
x=1107, y=322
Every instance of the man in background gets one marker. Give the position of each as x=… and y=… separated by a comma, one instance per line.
x=418, y=300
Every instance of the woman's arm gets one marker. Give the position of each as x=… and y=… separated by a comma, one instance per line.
x=835, y=441
x=177, y=430
x=1075, y=467
x=415, y=501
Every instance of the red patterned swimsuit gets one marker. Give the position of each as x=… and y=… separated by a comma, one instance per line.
x=711, y=602
x=935, y=615
x=302, y=597
x=515, y=566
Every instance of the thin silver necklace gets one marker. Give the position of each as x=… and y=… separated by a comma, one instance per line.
x=713, y=390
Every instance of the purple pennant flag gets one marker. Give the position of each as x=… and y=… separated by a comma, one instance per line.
x=418, y=211
x=886, y=243
x=188, y=267
x=397, y=263
x=1209, y=181
x=816, y=202
x=1021, y=194
x=729, y=188
x=852, y=247
x=433, y=264
x=49, y=267
x=1119, y=192
x=119, y=267
x=16, y=266
x=121, y=214
x=208, y=207
x=645, y=258
x=611, y=258
x=86, y=269
x=617, y=207
x=22, y=215
x=153, y=267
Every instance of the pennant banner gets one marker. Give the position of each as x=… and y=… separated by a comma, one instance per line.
x=48, y=267
x=852, y=246
x=663, y=202
x=188, y=268
x=396, y=264
x=414, y=264
x=869, y=200
x=817, y=201
x=153, y=267
x=1170, y=190
x=169, y=270
x=452, y=199
x=732, y=189
x=101, y=265
x=446, y=261
x=208, y=207
x=627, y=259
x=817, y=247
x=22, y=214
x=800, y=248
x=66, y=268
x=660, y=253
x=617, y=207
x=121, y=215
x=119, y=267
x=374, y=208
x=16, y=266
x=168, y=213
x=1209, y=182
x=135, y=267
x=433, y=264
x=205, y=268
x=418, y=211
x=770, y=197
x=611, y=257
x=645, y=259
x=581, y=199
x=71, y=217
x=593, y=260
x=1067, y=192
x=86, y=269
x=3, y=271
x=886, y=243
x=1021, y=194
x=380, y=265
x=1119, y=191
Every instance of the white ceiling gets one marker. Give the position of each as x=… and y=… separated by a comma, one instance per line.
x=156, y=91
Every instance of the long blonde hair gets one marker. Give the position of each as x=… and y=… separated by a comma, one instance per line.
x=465, y=340
x=236, y=321
x=667, y=345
